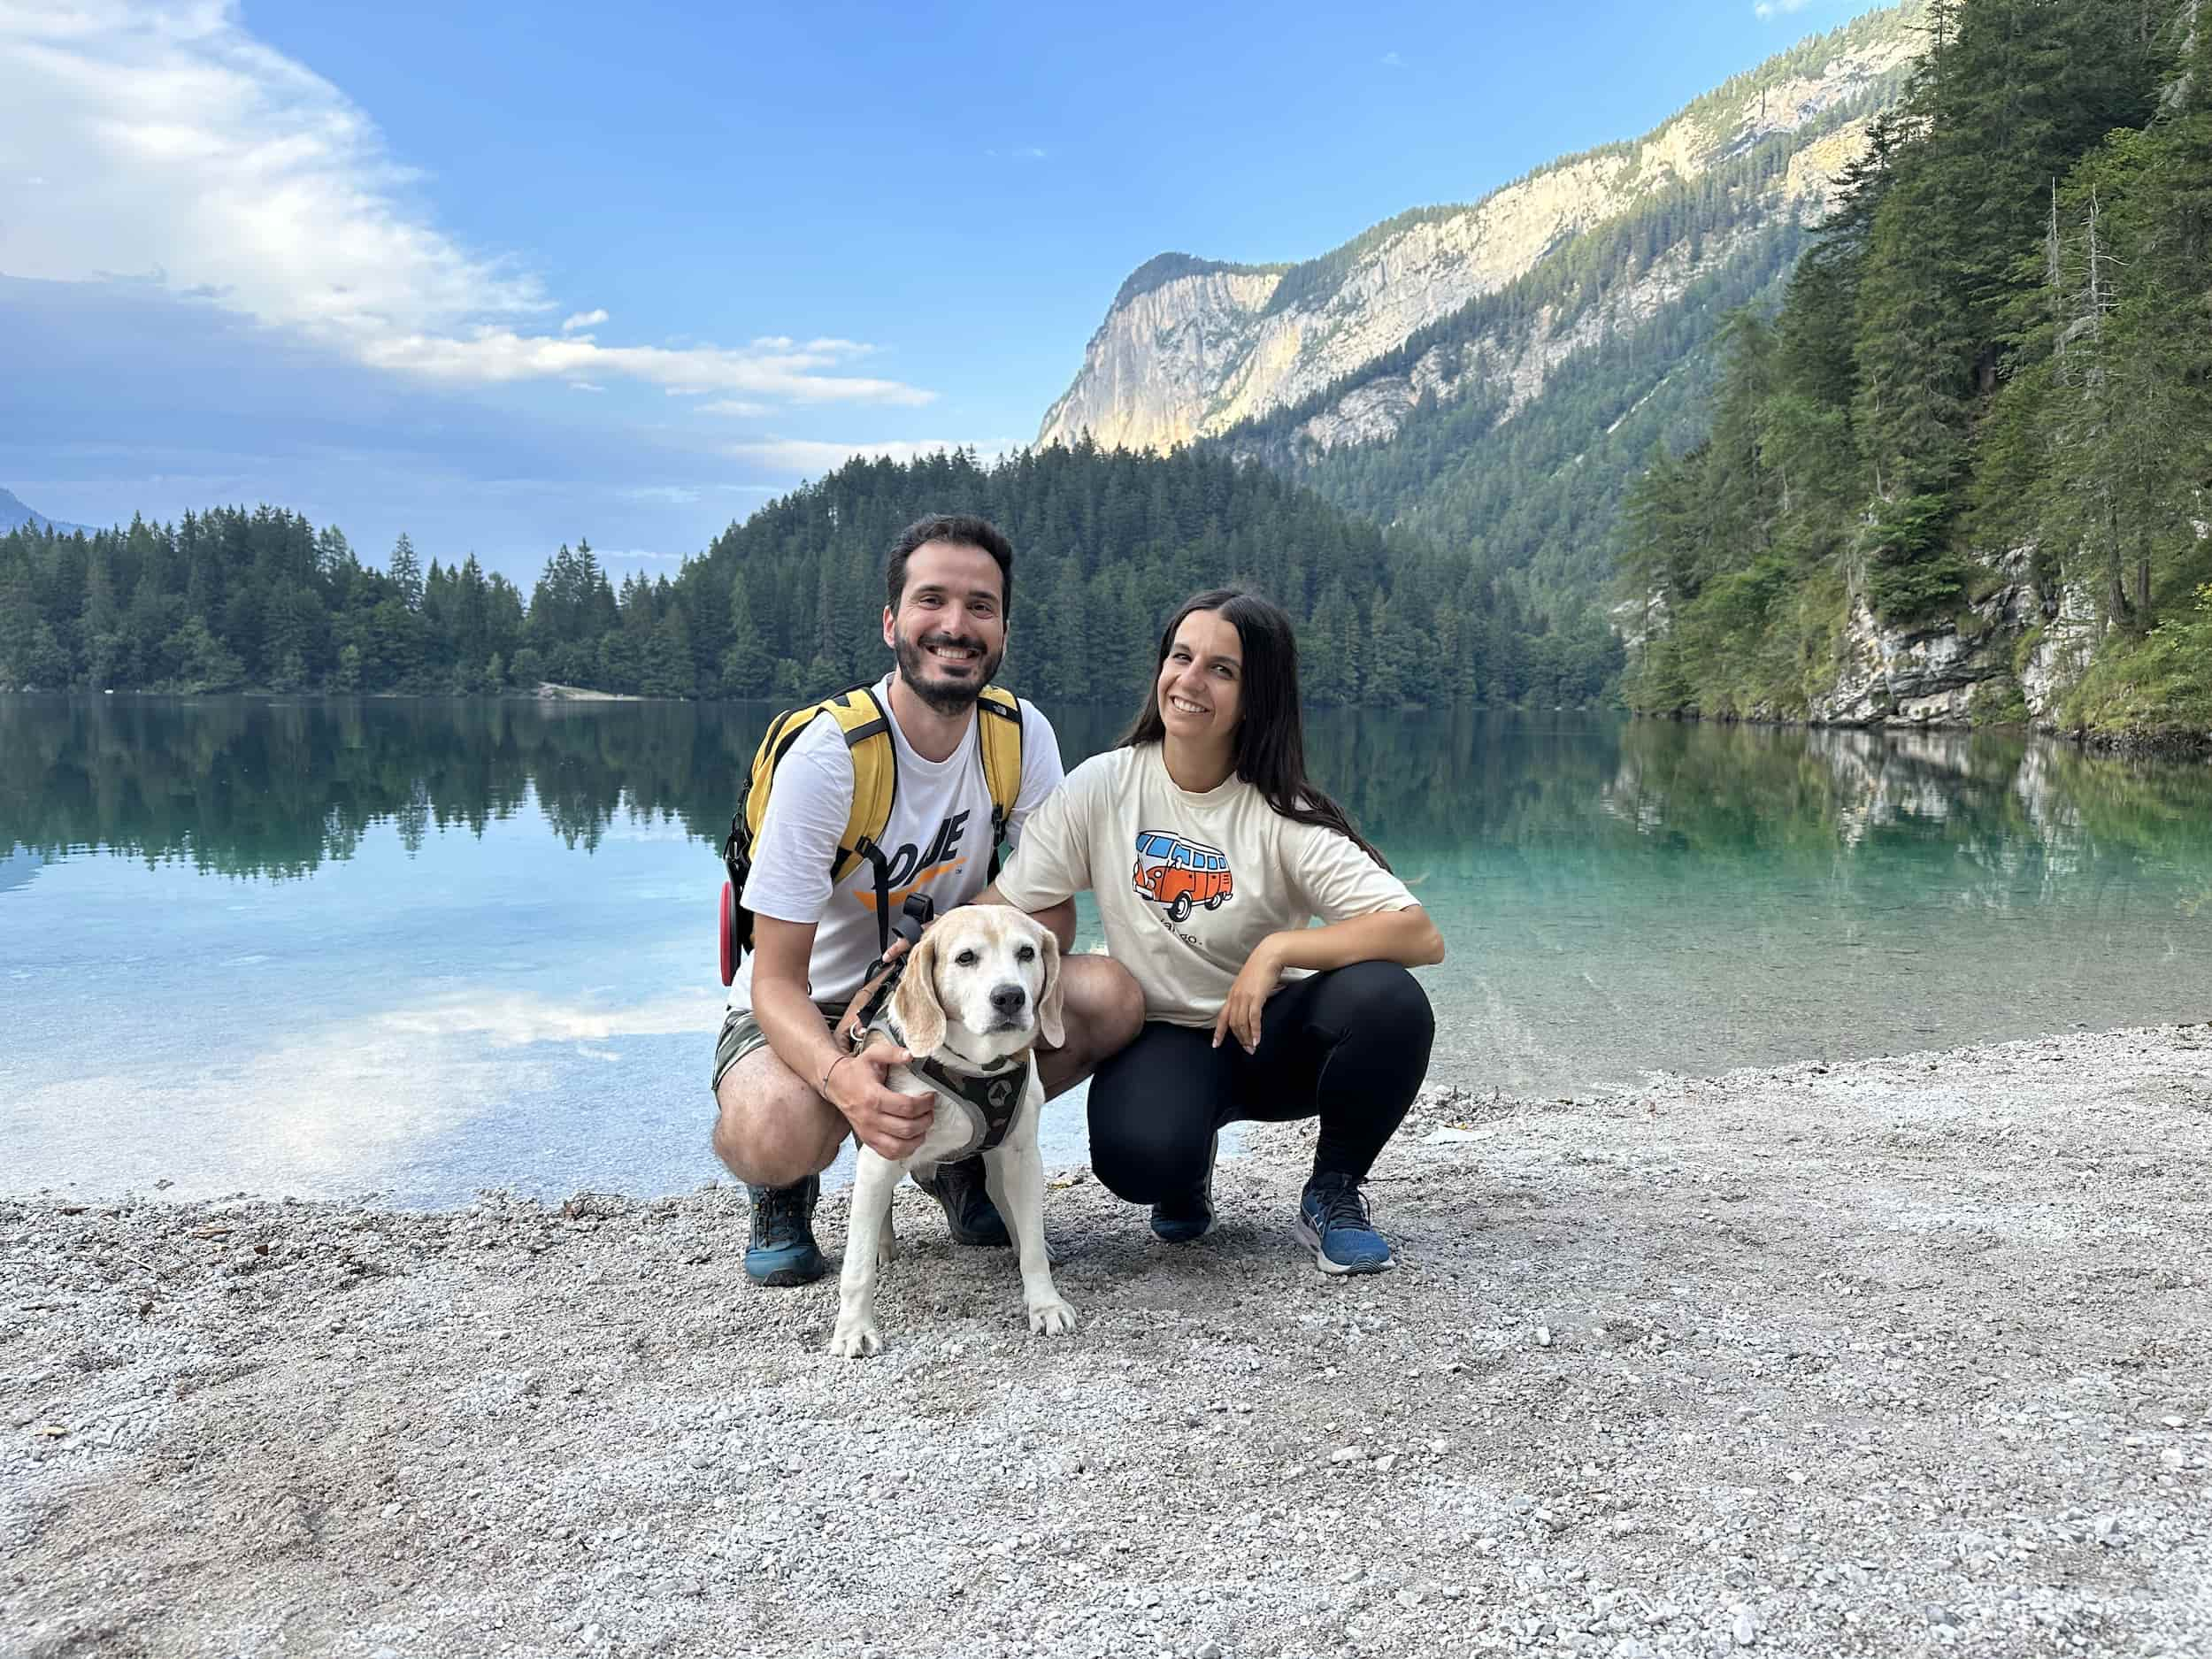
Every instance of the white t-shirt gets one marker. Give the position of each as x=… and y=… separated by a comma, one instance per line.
x=939, y=841
x=1187, y=885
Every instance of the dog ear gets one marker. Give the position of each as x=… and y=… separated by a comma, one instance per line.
x=1051, y=1004
x=920, y=1015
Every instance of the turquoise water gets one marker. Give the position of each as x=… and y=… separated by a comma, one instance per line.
x=415, y=949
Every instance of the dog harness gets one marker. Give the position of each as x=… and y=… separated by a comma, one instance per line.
x=990, y=1099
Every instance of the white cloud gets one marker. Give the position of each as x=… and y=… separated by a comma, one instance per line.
x=582, y=319
x=733, y=406
x=1778, y=8
x=183, y=147
x=584, y=386
x=812, y=456
x=1391, y=60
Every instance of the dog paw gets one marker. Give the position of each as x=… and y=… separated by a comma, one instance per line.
x=856, y=1339
x=1051, y=1318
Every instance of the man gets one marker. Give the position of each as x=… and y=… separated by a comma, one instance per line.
x=788, y=1093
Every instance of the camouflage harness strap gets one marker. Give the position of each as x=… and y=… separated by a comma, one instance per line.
x=991, y=1100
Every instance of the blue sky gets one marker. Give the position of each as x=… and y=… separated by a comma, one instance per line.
x=503, y=276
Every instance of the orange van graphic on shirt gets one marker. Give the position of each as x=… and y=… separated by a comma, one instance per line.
x=1178, y=873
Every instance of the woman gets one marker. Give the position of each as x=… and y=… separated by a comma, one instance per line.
x=1210, y=854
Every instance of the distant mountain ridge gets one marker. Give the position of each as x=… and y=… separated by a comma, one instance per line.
x=1442, y=368
x=14, y=514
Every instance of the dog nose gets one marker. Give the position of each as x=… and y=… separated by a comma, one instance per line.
x=1008, y=999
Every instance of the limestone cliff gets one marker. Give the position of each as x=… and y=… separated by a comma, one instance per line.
x=1190, y=349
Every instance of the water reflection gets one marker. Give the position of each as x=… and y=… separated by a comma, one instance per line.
x=256, y=788
x=424, y=947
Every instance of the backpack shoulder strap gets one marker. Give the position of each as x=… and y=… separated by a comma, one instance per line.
x=999, y=727
x=865, y=726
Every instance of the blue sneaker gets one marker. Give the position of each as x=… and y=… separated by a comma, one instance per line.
x=1333, y=1218
x=783, y=1251
x=1187, y=1217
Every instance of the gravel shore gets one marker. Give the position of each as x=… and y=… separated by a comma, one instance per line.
x=1906, y=1355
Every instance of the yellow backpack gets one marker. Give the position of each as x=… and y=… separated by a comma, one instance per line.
x=867, y=724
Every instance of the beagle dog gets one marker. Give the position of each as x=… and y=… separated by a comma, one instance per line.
x=978, y=992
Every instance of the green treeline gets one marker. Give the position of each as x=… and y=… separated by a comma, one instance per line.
x=1108, y=542
x=2002, y=341
x=788, y=603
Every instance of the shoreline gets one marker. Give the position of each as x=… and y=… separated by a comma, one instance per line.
x=2163, y=743
x=1883, y=1354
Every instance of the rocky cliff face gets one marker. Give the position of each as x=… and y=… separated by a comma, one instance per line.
x=1193, y=353
x=2012, y=655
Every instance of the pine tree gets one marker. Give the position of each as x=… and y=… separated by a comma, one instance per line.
x=406, y=572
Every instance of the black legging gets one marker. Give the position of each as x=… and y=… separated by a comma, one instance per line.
x=1350, y=1046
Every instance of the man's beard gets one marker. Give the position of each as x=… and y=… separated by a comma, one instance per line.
x=947, y=697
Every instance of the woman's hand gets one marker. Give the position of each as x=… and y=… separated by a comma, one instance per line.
x=1260, y=979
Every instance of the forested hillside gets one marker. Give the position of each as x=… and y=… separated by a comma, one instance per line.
x=788, y=603
x=1535, y=485
x=2001, y=343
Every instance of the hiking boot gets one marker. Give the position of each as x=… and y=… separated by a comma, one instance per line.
x=1187, y=1217
x=969, y=1211
x=1333, y=1218
x=782, y=1251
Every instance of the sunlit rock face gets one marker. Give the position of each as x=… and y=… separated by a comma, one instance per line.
x=1190, y=349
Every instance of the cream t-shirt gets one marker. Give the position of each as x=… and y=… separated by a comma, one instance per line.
x=1187, y=885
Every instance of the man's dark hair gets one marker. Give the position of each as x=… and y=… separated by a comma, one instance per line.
x=961, y=529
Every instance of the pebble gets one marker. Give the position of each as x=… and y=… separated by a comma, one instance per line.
x=1345, y=1455
x=1746, y=1627
x=1208, y=1650
x=1388, y=1461
x=1543, y=1336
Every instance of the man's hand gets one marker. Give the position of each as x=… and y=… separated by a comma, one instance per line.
x=887, y=1121
x=1261, y=977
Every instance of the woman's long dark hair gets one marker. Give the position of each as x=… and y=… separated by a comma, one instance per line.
x=1269, y=746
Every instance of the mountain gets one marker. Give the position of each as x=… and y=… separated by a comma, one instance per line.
x=14, y=515
x=1443, y=366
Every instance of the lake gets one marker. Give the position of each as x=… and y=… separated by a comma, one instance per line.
x=411, y=948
